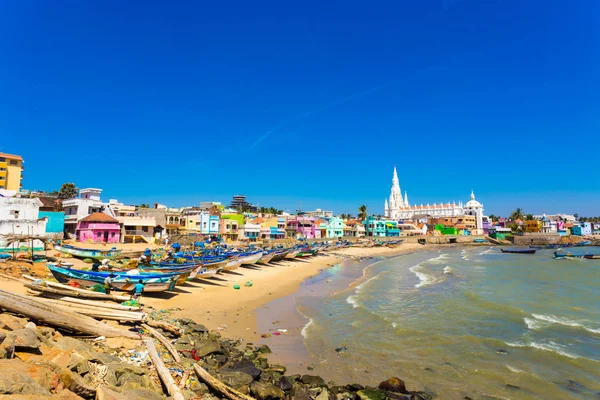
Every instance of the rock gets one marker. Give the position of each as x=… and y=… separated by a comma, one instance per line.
x=197, y=387
x=325, y=395
x=245, y=366
x=264, y=349
x=206, y=347
x=25, y=339
x=194, y=327
x=280, y=369
x=13, y=380
x=9, y=322
x=77, y=385
x=113, y=393
x=134, y=381
x=313, y=380
x=394, y=384
x=341, y=349
x=354, y=387
x=235, y=379
x=375, y=394
x=42, y=373
x=501, y=351
x=185, y=339
x=420, y=396
x=266, y=391
x=7, y=348
x=299, y=392
x=346, y=396
x=285, y=383
x=122, y=343
x=515, y=387
x=66, y=394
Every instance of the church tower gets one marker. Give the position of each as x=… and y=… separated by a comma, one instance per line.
x=396, y=201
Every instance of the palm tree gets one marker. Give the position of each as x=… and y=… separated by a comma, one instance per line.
x=68, y=191
x=362, y=212
x=517, y=214
x=529, y=217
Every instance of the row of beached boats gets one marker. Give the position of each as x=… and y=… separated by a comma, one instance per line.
x=161, y=272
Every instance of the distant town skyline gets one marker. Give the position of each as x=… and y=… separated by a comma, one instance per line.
x=307, y=106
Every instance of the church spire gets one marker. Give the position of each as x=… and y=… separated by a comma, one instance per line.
x=472, y=195
x=406, y=199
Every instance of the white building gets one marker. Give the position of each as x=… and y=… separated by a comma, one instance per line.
x=400, y=209
x=80, y=207
x=318, y=213
x=556, y=217
x=20, y=216
x=250, y=231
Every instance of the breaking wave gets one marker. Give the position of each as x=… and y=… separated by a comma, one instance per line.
x=552, y=319
x=550, y=347
x=305, y=329
x=424, y=278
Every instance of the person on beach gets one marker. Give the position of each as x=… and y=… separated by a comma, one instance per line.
x=108, y=283
x=138, y=290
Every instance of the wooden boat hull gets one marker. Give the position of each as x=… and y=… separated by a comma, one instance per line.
x=88, y=253
x=265, y=259
x=233, y=264
x=125, y=284
x=291, y=254
x=279, y=256
x=251, y=259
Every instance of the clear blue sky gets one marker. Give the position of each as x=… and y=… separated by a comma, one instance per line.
x=307, y=103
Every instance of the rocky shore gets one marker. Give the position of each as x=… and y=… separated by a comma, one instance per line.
x=39, y=361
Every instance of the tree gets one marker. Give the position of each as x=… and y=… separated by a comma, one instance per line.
x=517, y=214
x=529, y=217
x=68, y=191
x=515, y=227
x=493, y=218
x=144, y=205
x=362, y=212
x=576, y=216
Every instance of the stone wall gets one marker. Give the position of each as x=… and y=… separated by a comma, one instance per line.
x=537, y=239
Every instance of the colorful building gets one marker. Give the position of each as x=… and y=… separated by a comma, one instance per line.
x=55, y=221
x=392, y=229
x=374, y=227
x=533, y=226
x=11, y=172
x=20, y=216
x=272, y=227
x=98, y=228
x=582, y=229
x=230, y=226
x=302, y=228
x=498, y=232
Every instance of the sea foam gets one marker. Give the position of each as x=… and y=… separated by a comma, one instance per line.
x=550, y=347
x=304, y=331
x=424, y=278
x=552, y=319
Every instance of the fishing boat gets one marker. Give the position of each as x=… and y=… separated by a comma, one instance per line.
x=232, y=263
x=292, y=254
x=569, y=255
x=479, y=241
x=280, y=255
x=119, y=282
x=519, y=251
x=251, y=258
x=306, y=252
x=266, y=258
x=95, y=254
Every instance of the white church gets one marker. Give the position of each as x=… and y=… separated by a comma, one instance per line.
x=400, y=209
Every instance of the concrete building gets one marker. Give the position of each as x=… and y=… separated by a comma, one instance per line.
x=318, y=213
x=98, y=228
x=77, y=208
x=250, y=231
x=374, y=227
x=582, y=229
x=11, y=172
x=19, y=216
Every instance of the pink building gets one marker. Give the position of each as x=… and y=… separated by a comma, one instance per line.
x=98, y=227
x=302, y=227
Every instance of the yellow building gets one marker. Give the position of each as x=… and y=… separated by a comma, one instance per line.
x=533, y=226
x=11, y=168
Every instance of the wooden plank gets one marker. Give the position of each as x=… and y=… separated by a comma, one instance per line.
x=164, y=374
x=113, y=297
x=165, y=327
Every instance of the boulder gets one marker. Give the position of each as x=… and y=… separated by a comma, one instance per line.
x=16, y=382
x=66, y=394
x=113, y=393
x=25, y=339
x=394, y=384
x=266, y=391
x=280, y=369
x=326, y=395
x=234, y=379
x=286, y=383
x=7, y=347
x=77, y=385
x=42, y=373
x=346, y=396
x=264, y=349
x=197, y=328
x=206, y=347
x=374, y=394
x=313, y=380
x=299, y=392
x=245, y=366
x=420, y=396
x=9, y=322
x=354, y=387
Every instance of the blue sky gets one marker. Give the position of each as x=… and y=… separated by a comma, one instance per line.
x=309, y=104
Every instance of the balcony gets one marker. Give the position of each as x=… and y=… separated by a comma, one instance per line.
x=137, y=232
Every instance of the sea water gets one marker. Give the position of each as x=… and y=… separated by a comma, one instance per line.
x=460, y=322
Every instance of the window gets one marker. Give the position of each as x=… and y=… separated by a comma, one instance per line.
x=13, y=162
x=15, y=213
x=2, y=159
x=2, y=169
x=112, y=234
x=99, y=234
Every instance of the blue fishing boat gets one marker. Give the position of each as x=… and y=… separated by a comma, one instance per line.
x=94, y=254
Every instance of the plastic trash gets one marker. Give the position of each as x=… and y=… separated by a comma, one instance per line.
x=248, y=284
x=236, y=286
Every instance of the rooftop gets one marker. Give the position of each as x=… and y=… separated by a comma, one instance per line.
x=99, y=217
x=14, y=157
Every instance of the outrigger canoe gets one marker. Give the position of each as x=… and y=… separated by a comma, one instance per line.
x=88, y=253
x=119, y=282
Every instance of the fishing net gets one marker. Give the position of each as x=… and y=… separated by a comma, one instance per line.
x=98, y=288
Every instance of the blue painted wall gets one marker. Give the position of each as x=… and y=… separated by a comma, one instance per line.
x=56, y=221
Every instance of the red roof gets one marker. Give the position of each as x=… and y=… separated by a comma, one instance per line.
x=99, y=217
x=5, y=155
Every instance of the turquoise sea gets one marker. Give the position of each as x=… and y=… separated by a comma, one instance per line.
x=455, y=322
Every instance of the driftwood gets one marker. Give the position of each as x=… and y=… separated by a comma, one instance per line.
x=165, y=327
x=12, y=278
x=164, y=341
x=83, y=293
x=96, y=312
x=163, y=372
x=219, y=386
x=58, y=317
x=111, y=306
x=184, y=378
